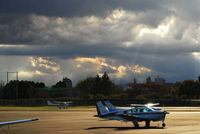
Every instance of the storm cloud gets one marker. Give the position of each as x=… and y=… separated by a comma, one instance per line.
x=126, y=38
x=71, y=8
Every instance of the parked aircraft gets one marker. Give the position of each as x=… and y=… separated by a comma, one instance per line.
x=59, y=104
x=135, y=115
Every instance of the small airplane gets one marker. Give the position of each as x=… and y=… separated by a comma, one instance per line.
x=135, y=115
x=17, y=121
x=59, y=104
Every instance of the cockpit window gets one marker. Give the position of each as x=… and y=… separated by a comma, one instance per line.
x=135, y=110
x=129, y=112
x=149, y=109
x=141, y=110
x=145, y=109
x=138, y=110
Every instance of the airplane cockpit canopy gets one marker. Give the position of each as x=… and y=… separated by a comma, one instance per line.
x=139, y=110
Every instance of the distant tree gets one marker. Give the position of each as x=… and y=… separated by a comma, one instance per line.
x=26, y=89
x=2, y=86
x=175, y=90
x=97, y=85
x=190, y=89
x=105, y=77
x=199, y=79
x=21, y=89
x=39, y=85
x=134, y=81
x=140, y=97
x=85, y=86
x=148, y=80
x=148, y=90
x=60, y=84
x=10, y=90
x=106, y=85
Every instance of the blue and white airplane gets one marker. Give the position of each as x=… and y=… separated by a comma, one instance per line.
x=135, y=115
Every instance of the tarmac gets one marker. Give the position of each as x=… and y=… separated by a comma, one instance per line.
x=185, y=120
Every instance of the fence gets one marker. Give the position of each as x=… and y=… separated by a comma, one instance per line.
x=77, y=102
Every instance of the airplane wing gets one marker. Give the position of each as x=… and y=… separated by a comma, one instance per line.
x=69, y=102
x=18, y=121
x=59, y=102
x=151, y=105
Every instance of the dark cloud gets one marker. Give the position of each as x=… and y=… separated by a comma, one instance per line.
x=70, y=8
x=160, y=35
x=187, y=10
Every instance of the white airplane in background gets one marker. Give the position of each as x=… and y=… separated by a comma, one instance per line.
x=59, y=104
x=16, y=122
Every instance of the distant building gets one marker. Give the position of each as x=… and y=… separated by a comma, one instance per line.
x=68, y=82
x=159, y=80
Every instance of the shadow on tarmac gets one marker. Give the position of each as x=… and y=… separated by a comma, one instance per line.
x=123, y=128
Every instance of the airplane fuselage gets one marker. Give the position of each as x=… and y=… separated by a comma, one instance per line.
x=135, y=115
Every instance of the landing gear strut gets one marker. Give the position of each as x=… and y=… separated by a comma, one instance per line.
x=135, y=123
x=147, y=123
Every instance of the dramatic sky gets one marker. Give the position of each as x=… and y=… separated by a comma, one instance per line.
x=46, y=40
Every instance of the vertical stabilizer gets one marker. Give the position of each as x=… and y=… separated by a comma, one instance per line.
x=101, y=110
x=50, y=103
x=110, y=106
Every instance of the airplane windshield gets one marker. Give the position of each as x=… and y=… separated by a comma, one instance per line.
x=139, y=110
x=147, y=109
x=150, y=109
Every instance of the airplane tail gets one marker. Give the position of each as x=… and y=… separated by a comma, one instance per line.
x=50, y=103
x=101, y=110
x=110, y=106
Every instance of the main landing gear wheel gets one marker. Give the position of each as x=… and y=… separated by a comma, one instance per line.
x=163, y=125
x=137, y=126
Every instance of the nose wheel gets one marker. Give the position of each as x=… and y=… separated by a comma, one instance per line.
x=163, y=124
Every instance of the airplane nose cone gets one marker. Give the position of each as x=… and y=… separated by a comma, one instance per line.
x=165, y=112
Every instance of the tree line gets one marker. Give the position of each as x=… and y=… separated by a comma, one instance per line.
x=97, y=87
